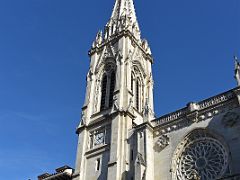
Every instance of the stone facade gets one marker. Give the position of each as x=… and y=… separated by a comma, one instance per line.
x=119, y=135
x=203, y=142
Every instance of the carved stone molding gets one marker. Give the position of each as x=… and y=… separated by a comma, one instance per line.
x=193, y=116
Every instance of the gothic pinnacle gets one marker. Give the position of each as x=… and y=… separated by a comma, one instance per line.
x=123, y=18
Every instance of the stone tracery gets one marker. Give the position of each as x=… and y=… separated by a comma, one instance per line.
x=200, y=156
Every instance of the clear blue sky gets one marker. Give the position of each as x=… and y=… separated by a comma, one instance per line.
x=43, y=64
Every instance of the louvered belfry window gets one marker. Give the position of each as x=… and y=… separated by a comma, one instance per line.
x=132, y=82
x=108, y=86
x=104, y=91
x=112, y=87
x=137, y=94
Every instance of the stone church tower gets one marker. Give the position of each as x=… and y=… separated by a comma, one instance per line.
x=119, y=136
x=119, y=97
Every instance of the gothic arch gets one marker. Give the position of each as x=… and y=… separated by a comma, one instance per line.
x=201, y=154
x=137, y=86
x=137, y=66
x=106, y=76
x=107, y=55
x=105, y=65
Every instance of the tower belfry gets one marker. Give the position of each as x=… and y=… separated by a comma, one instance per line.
x=119, y=97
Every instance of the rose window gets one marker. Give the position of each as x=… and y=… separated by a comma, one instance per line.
x=201, y=157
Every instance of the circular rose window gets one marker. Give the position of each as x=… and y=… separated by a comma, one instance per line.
x=200, y=156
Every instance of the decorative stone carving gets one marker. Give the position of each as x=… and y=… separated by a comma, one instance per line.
x=147, y=111
x=98, y=40
x=230, y=119
x=193, y=116
x=200, y=156
x=215, y=100
x=171, y=117
x=146, y=47
x=192, y=106
x=130, y=105
x=237, y=71
x=89, y=75
x=140, y=159
x=163, y=141
x=119, y=57
x=140, y=167
x=115, y=103
x=83, y=119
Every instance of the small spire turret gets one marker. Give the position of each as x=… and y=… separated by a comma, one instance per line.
x=237, y=70
x=98, y=39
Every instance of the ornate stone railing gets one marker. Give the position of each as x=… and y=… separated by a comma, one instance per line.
x=210, y=102
x=215, y=100
x=171, y=117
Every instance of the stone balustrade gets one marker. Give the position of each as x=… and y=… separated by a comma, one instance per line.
x=202, y=105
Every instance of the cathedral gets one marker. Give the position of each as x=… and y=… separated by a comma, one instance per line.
x=120, y=138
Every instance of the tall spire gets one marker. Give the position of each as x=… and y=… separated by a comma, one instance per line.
x=124, y=8
x=123, y=18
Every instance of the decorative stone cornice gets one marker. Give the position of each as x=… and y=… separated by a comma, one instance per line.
x=196, y=112
x=145, y=125
x=197, y=107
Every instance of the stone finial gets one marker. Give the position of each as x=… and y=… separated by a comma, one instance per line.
x=98, y=40
x=192, y=106
x=237, y=70
x=146, y=47
x=147, y=111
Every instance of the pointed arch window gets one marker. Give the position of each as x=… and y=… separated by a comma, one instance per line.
x=104, y=91
x=108, y=86
x=137, y=98
x=112, y=87
x=136, y=89
x=132, y=80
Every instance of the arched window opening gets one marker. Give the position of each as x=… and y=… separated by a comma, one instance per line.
x=132, y=82
x=112, y=87
x=107, y=90
x=104, y=91
x=137, y=95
